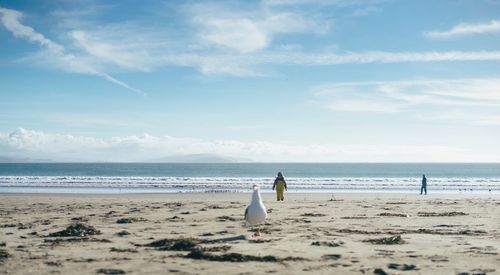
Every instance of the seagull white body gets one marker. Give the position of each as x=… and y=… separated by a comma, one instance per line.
x=255, y=213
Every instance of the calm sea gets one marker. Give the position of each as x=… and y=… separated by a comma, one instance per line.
x=239, y=177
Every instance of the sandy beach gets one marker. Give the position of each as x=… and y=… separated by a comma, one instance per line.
x=205, y=234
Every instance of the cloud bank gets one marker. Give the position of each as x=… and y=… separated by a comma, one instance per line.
x=24, y=143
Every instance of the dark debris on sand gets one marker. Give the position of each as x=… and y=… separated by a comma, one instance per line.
x=53, y=263
x=226, y=218
x=123, y=250
x=175, y=219
x=466, y=232
x=18, y=225
x=379, y=271
x=76, y=230
x=225, y=239
x=331, y=257
x=442, y=214
x=230, y=257
x=260, y=240
x=357, y=231
x=187, y=244
x=80, y=219
x=7, y=225
x=479, y=271
x=237, y=257
x=199, y=252
x=387, y=214
x=386, y=240
x=192, y=244
x=402, y=267
x=110, y=271
x=221, y=248
x=3, y=254
x=334, y=243
x=122, y=233
x=313, y=215
x=130, y=220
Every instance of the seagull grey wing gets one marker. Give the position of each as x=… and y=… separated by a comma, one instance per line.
x=246, y=212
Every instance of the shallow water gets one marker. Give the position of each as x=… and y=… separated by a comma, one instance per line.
x=239, y=177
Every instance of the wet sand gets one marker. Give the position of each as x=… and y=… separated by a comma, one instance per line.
x=205, y=234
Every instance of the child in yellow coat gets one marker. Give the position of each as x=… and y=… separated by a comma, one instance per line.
x=280, y=185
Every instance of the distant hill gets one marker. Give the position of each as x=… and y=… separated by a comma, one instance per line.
x=200, y=158
x=6, y=159
x=193, y=158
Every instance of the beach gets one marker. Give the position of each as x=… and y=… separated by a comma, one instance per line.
x=204, y=233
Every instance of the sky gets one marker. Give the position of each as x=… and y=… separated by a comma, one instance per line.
x=268, y=81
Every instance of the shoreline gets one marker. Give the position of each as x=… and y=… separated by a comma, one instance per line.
x=267, y=195
x=156, y=191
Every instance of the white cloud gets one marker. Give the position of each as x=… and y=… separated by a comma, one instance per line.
x=242, y=35
x=492, y=26
x=247, y=31
x=54, y=52
x=65, y=147
x=477, y=100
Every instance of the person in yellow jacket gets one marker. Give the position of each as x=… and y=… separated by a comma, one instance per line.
x=280, y=185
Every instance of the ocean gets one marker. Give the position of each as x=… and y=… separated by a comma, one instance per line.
x=239, y=177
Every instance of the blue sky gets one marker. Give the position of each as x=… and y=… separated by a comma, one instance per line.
x=276, y=80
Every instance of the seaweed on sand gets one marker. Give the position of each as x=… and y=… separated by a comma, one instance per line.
x=388, y=214
x=334, y=243
x=3, y=254
x=442, y=214
x=386, y=240
x=313, y=215
x=402, y=267
x=76, y=230
x=187, y=244
x=237, y=257
x=129, y=220
x=110, y=271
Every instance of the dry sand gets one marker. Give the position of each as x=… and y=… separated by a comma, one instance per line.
x=205, y=234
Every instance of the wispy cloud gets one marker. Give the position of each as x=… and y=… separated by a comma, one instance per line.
x=67, y=147
x=382, y=57
x=54, y=52
x=463, y=29
x=474, y=100
x=214, y=39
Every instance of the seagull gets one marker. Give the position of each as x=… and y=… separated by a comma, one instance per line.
x=256, y=213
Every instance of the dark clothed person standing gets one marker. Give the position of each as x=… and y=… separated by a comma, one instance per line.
x=424, y=185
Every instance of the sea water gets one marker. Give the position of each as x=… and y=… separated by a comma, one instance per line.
x=239, y=177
